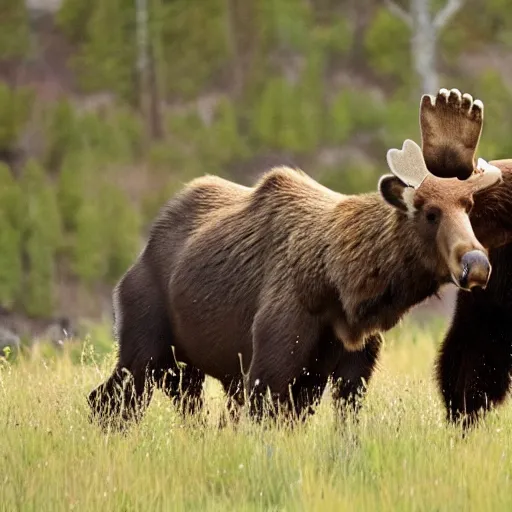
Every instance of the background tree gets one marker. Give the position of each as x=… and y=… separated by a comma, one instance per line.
x=425, y=27
x=122, y=101
x=41, y=239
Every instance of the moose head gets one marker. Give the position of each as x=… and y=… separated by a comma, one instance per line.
x=438, y=209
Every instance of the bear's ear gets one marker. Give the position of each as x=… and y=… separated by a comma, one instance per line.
x=394, y=191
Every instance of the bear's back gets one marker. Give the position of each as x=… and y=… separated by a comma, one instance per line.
x=247, y=226
x=184, y=214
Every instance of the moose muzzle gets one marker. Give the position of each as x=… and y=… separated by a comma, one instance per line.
x=476, y=270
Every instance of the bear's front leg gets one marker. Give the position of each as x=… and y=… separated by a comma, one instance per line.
x=284, y=337
x=352, y=375
x=474, y=361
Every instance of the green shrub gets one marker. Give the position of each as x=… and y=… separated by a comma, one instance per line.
x=73, y=18
x=106, y=237
x=11, y=216
x=90, y=245
x=38, y=297
x=387, y=44
x=311, y=115
x=194, y=44
x=351, y=112
x=400, y=122
x=125, y=130
x=171, y=157
x=108, y=54
x=288, y=23
x=40, y=204
x=41, y=239
x=122, y=232
x=223, y=141
x=10, y=262
x=340, y=122
x=194, y=148
x=62, y=136
x=350, y=178
x=333, y=38
x=71, y=183
x=15, y=109
x=495, y=142
x=11, y=199
x=14, y=29
x=287, y=117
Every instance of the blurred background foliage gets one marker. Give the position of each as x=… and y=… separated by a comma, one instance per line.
x=108, y=106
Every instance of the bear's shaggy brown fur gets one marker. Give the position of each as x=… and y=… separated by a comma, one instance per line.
x=474, y=363
x=287, y=282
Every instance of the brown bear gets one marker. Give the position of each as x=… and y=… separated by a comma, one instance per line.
x=474, y=363
x=281, y=286
x=475, y=358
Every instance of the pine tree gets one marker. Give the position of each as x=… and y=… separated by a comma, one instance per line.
x=14, y=29
x=108, y=55
x=11, y=199
x=73, y=18
x=61, y=134
x=39, y=291
x=15, y=108
x=11, y=211
x=223, y=142
x=10, y=262
x=70, y=188
x=122, y=225
x=90, y=248
x=194, y=43
x=41, y=239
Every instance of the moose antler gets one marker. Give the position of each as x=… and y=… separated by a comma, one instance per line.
x=484, y=176
x=451, y=125
x=408, y=164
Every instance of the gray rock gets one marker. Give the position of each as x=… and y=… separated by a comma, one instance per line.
x=9, y=341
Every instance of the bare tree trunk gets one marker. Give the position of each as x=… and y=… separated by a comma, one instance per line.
x=425, y=28
x=242, y=33
x=238, y=68
x=423, y=45
x=148, y=90
x=361, y=11
x=155, y=113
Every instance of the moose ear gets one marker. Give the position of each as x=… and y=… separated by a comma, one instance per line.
x=395, y=192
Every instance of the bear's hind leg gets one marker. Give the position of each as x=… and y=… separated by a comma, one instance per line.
x=122, y=398
x=183, y=384
x=145, y=339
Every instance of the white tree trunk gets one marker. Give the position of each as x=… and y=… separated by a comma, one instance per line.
x=423, y=45
x=147, y=73
x=425, y=28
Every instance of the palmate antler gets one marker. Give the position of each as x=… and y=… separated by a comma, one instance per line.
x=408, y=164
x=451, y=125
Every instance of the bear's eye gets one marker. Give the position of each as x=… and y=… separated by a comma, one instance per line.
x=432, y=215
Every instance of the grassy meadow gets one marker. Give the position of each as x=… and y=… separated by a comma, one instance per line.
x=399, y=456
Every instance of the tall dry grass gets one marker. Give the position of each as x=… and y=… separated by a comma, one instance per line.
x=400, y=455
